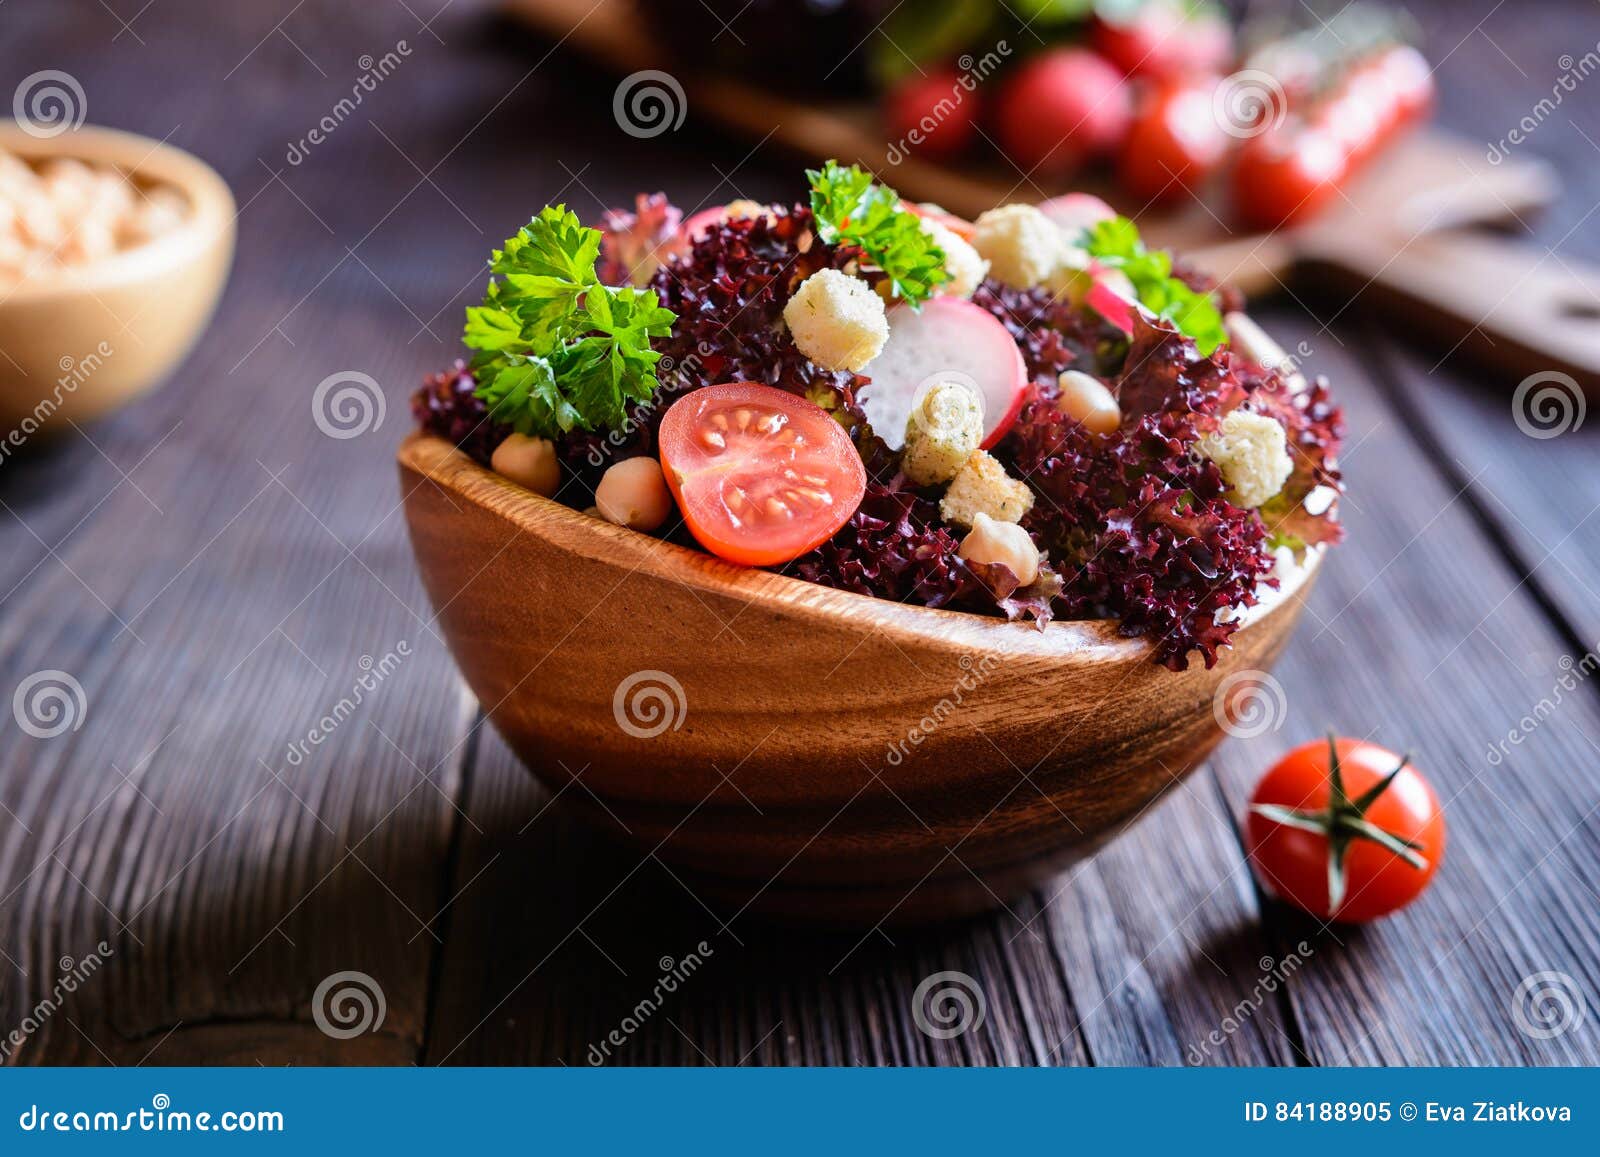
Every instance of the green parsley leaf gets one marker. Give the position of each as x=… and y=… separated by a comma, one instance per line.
x=557, y=350
x=1116, y=243
x=851, y=208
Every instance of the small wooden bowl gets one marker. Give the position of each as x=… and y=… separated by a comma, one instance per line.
x=818, y=754
x=145, y=305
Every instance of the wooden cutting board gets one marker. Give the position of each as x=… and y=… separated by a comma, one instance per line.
x=1398, y=241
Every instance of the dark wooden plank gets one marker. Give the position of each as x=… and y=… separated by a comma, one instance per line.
x=1133, y=958
x=213, y=608
x=1540, y=494
x=560, y=928
x=559, y=932
x=1420, y=641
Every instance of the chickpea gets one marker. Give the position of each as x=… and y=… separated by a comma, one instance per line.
x=66, y=213
x=633, y=493
x=1006, y=543
x=529, y=462
x=1252, y=342
x=1086, y=400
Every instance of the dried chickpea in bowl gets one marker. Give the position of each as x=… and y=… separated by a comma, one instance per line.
x=112, y=245
x=63, y=213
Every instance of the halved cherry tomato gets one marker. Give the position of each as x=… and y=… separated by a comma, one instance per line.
x=1345, y=830
x=1175, y=142
x=760, y=475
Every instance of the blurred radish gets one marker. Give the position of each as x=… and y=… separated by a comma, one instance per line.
x=1082, y=280
x=699, y=224
x=1287, y=175
x=1163, y=39
x=939, y=215
x=1294, y=168
x=932, y=115
x=1074, y=213
x=1175, y=143
x=947, y=340
x=1062, y=107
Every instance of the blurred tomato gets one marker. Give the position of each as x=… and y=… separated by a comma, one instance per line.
x=1175, y=142
x=1061, y=107
x=932, y=115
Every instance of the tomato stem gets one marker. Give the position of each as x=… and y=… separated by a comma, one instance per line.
x=1344, y=821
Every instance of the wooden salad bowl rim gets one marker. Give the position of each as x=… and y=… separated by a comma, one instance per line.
x=436, y=459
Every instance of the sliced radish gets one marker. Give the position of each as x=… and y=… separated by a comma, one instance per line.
x=1110, y=304
x=949, y=340
x=960, y=226
x=701, y=223
x=1075, y=212
x=1107, y=291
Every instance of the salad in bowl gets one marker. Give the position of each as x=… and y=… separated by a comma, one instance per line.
x=860, y=561
x=1029, y=415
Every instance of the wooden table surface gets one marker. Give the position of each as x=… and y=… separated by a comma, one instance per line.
x=215, y=572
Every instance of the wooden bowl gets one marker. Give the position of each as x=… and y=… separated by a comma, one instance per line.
x=814, y=753
x=82, y=341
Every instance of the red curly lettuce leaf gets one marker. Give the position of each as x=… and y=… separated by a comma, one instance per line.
x=894, y=547
x=1305, y=512
x=634, y=245
x=1016, y=601
x=1137, y=521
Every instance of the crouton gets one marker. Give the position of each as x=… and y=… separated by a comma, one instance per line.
x=944, y=429
x=1252, y=452
x=836, y=320
x=982, y=486
x=1022, y=245
x=961, y=261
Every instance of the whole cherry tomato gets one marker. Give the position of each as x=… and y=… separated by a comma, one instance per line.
x=1345, y=829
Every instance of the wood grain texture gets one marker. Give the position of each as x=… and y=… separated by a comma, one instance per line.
x=801, y=750
x=228, y=906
